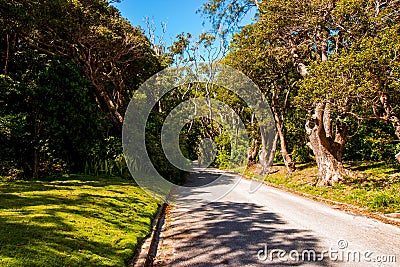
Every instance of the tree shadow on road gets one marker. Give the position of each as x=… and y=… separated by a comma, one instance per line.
x=231, y=234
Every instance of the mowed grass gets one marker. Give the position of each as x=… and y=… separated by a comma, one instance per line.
x=72, y=221
x=376, y=189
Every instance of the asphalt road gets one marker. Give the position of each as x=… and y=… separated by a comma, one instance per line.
x=267, y=228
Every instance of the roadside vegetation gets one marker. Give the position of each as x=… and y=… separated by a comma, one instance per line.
x=376, y=188
x=330, y=71
x=72, y=220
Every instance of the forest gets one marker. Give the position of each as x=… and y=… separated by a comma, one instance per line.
x=329, y=69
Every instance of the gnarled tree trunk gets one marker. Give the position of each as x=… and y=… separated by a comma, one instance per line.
x=328, y=150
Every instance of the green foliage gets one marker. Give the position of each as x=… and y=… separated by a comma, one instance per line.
x=181, y=44
x=360, y=40
x=223, y=157
x=73, y=221
x=363, y=72
x=381, y=200
x=49, y=110
x=363, y=84
x=297, y=139
x=372, y=141
x=106, y=157
x=272, y=69
x=153, y=141
x=226, y=13
x=68, y=70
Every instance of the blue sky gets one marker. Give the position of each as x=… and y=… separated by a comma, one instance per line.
x=180, y=15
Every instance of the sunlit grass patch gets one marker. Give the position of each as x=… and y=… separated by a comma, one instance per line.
x=72, y=221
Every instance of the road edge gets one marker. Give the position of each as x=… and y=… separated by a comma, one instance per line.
x=146, y=253
x=334, y=204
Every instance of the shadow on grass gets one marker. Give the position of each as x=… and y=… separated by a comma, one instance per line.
x=75, y=222
x=303, y=166
x=376, y=174
x=362, y=166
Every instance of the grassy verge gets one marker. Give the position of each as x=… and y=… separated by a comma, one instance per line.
x=72, y=221
x=377, y=191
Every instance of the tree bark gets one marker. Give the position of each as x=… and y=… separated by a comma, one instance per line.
x=116, y=118
x=280, y=127
x=328, y=151
x=279, y=116
x=266, y=159
x=252, y=153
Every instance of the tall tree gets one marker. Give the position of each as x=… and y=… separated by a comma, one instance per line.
x=313, y=31
x=363, y=82
x=54, y=57
x=273, y=72
x=114, y=55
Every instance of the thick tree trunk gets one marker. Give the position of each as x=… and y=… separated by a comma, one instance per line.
x=328, y=151
x=330, y=170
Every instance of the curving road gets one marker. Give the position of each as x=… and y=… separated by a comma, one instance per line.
x=267, y=228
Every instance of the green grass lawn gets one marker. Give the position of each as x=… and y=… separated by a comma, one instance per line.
x=377, y=189
x=72, y=221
